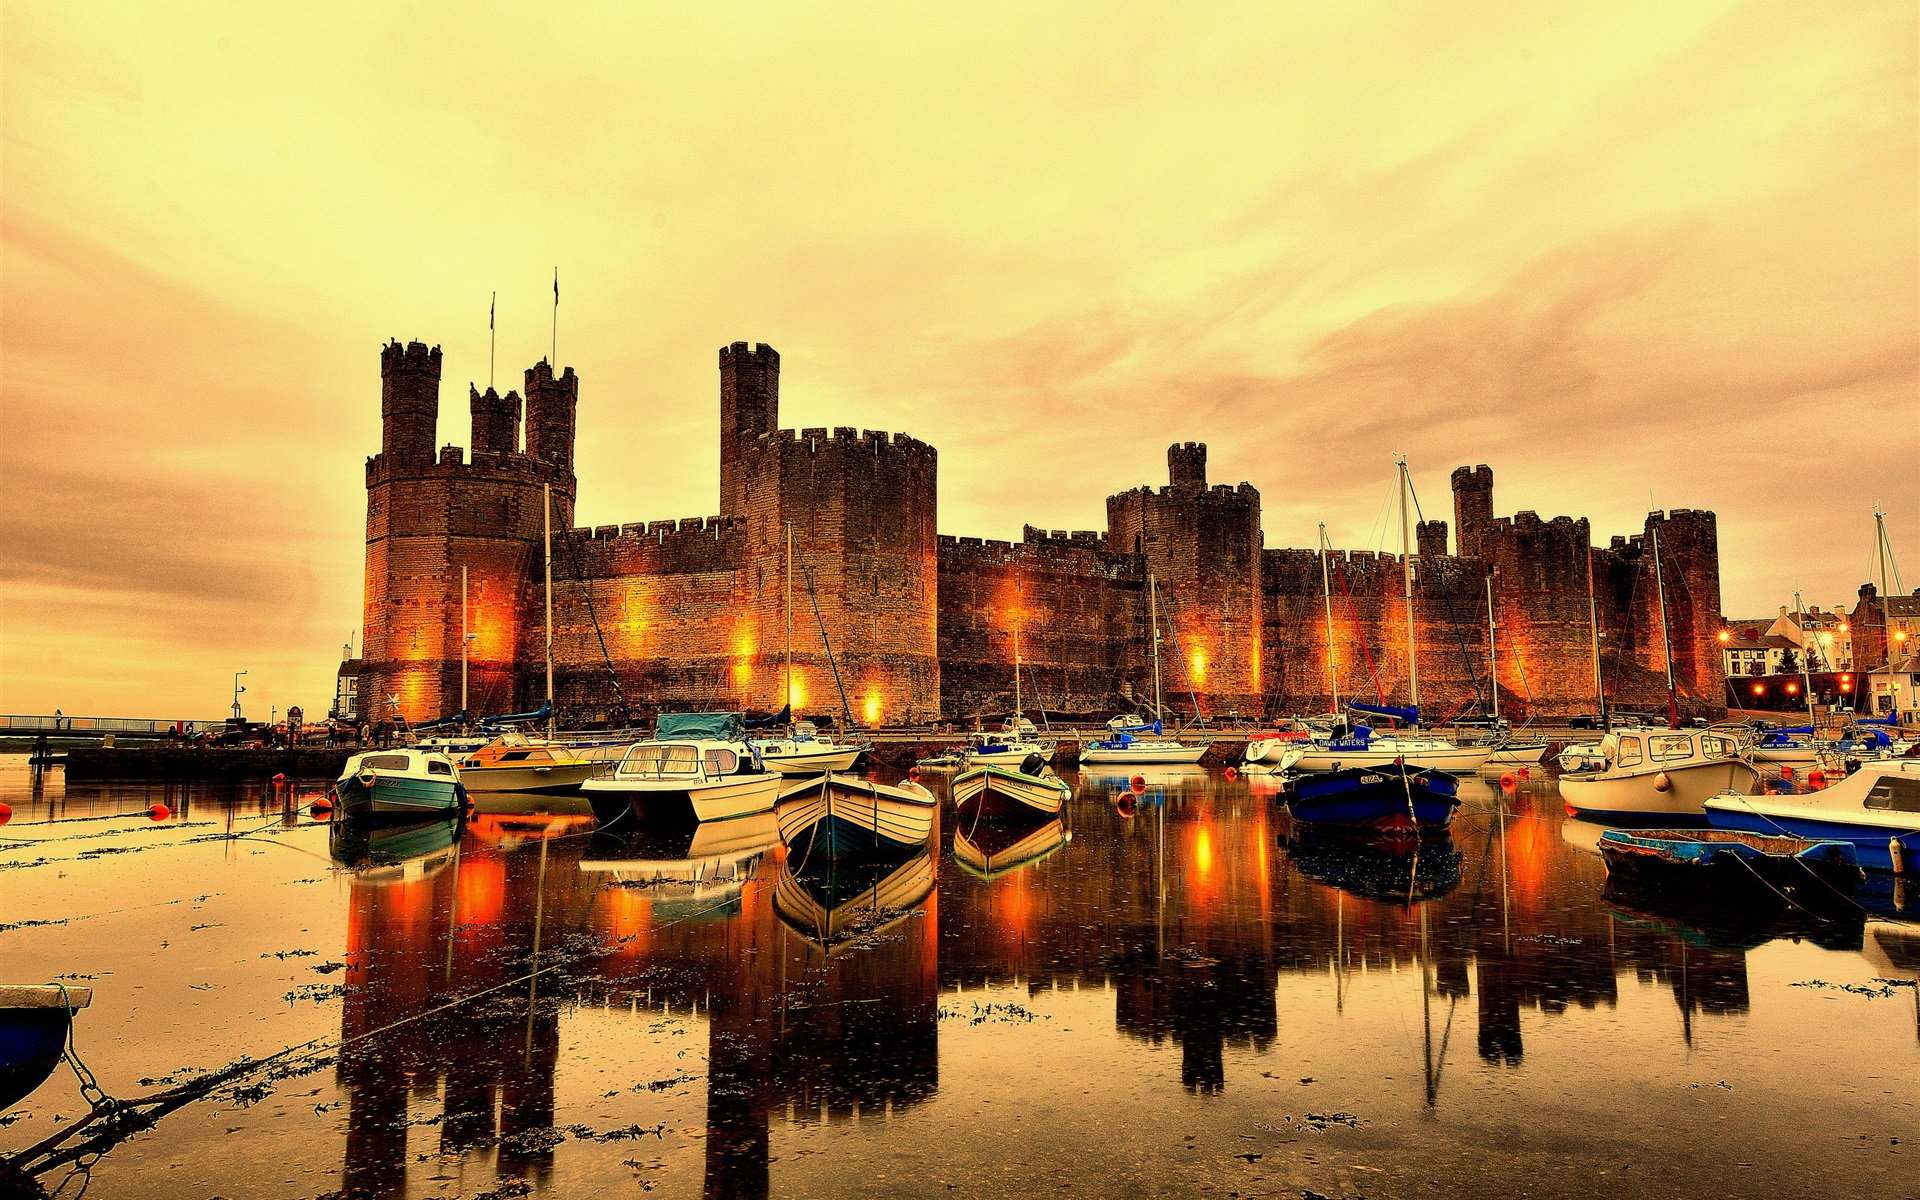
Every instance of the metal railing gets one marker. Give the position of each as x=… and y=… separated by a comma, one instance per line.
x=65, y=724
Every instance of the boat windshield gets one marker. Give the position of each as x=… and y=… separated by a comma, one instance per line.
x=1669, y=747
x=385, y=762
x=1895, y=794
x=659, y=758
x=1629, y=753
x=437, y=766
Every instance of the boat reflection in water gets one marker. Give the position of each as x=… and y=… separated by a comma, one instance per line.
x=1396, y=870
x=393, y=852
x=989, y=850
x=831, y=904
x=690, y=870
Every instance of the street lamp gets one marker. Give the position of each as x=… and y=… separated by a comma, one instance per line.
x=237, y=689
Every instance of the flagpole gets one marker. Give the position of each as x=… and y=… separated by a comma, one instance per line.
x=553, y=349
x=492, y=340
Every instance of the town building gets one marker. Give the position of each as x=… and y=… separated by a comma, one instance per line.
x=895, y=623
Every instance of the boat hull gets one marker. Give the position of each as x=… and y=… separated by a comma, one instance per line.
x=33, y=1037
x=1786, y=756
x=1141, y=755
x=1374, y=801
x=837, y=816
x=1870, y=843
x=398, y=796
x=994, y=793
x=1737, y=866
x=1624, y=799
x=556, y=779
x=1520, y=754
x=842, y=759
x=719, y=800
x=1455, y=760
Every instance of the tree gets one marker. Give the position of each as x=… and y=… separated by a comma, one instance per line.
x=1789, y=663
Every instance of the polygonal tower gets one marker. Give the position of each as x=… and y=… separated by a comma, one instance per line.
x=1472, y=508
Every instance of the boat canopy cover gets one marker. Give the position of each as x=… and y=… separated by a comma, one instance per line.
x=721, y=726
x=782, y=717
x=439, y=723
x=1786, y=729
x=1410, y=716
x=1889, y=719
x=538, y=714
x=1123, y=730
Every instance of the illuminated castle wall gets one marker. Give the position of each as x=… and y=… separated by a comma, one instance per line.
x=690, y=613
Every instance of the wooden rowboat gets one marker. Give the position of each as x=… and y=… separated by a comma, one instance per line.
x=34, y=1021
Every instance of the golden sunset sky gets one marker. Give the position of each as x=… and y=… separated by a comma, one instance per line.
x=1625, y=253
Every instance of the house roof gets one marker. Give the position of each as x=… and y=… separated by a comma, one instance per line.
x=1909, y=665
x=1764, y=641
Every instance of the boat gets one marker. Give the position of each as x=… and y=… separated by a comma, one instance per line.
x=514, y=762
x=989, y=851
x=1280, y=751
x=1581, y=756
x=1874, y=809
x=1735, y=864
x=35, y=1020
x=993, y=792
x=1658, y=773
x=1518, y=753
x=1122, y=745
x=804, y=752
x=388, y=783
x=1793, y=746
x=1358, y=745
x=407, y=852
x=1396, y=798
x=687, y=871
x=835, y=904
x=1004, y=749
x=834, y=816
x=652, y=778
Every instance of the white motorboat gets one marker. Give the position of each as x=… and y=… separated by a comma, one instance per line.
x=1003, y=750
x=1581, y=756
x=1659, y=772
x=1362, y=747
x=834, y=816
x=1280, y=750
x=1876, y=805
x=711, y=865
x=804, y=752
x=514, y=762
x=707, y=774
x=406, y=782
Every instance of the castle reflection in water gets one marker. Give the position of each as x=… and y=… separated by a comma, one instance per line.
x=1187, y=903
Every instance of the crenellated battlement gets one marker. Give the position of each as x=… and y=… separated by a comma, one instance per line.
x=415, y=356
x=819, y=441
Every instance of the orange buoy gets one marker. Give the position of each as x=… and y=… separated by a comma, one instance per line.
x=1508, y=782
x=159, y=812
x=1816, y=779
x=1138, y=783
x=1233, y=773
x=6, y=813
x=913, y=772
x=1571, y=811
x=1123, y=805
x=1661, y=783
x=1786, y=772
x=280, y=777
x=1526, y=773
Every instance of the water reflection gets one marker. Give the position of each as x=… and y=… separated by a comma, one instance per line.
x=1186, y=910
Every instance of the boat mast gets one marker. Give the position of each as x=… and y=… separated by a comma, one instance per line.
x=1153, y=611
x=463, y=641
x=1326, y=596
x=787, y=700
x=1666, y=636
x=1493, y=655
x=1593, y=623
x=546, y=504
x=1806, y=675
x=1886, y=614
x=1406, y=572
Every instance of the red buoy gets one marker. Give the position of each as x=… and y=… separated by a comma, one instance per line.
x=1816, y=779
x=159, y=812
x=6, y=813
x=280, y=778
x=1786, y=772
x=1526, y=773
x=1124, y=805
x=913, y=772
x=1138, y=783
x=1233, y=773
x=1508, y=782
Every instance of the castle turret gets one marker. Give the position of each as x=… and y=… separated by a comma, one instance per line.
x=496, y=420
x=1432, y=537
x=1187, y=466
x=1472, y=508
x=749, y=407
x=550, y=405
x=409, y=400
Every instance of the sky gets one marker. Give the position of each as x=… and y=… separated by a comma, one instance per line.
x=1631, y=255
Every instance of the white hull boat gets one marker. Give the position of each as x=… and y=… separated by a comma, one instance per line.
x=1429, y=753
x=806, y=758
x=706, y=773
x=1519, y=754
x=1141, y=752
x=993, y=792
x=1658, y=772
x=844, y=815
x=1877, y=805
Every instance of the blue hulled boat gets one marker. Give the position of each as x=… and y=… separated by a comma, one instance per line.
x=1740, y=864
x=33, y=1035
x=1394, y=798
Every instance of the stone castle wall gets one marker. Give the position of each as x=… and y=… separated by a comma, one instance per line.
x=693, y=612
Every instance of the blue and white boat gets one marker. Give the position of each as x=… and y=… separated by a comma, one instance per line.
x=34, y=1020
x=1394, y=799
x=1361, y=746
x=1737, y=863
x=1134, y=740
x=1875, y=809
x=399, y=783
x=1793, y=746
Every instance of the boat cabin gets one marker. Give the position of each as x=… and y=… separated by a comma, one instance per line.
x=688, y=761
x=1628, y=749
x=410, y=764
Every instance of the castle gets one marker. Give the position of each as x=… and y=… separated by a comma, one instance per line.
x=914, y=626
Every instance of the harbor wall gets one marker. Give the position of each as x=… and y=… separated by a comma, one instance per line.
x=893, y=623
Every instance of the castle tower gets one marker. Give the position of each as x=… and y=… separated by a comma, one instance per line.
x=1202, y=545
x=496, y=420
x=409, y=400
x=1690, y=566
x=1472, y=508
x=749, y=407
x=1432, y=539
x=550, y=407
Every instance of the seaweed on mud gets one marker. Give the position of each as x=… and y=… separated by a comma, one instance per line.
x=982, y=1013
x=1886, y=988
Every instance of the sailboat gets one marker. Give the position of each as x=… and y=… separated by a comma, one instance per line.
x=804, y=751
x=1358, y=746
x=1506, y=749
x=1123, y=745
x=1659, y=772
x=1017, y=740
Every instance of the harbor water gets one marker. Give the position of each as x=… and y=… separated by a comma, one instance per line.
x=1167, y=994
